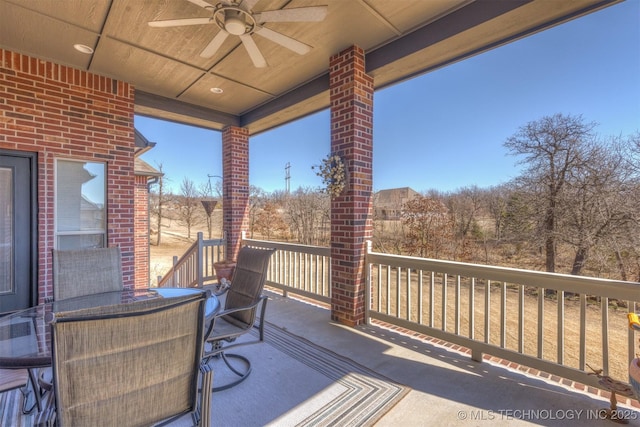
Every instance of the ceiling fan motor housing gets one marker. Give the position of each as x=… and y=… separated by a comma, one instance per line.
x=234, y=20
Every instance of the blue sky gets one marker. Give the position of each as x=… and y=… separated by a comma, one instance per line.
x=445, y=130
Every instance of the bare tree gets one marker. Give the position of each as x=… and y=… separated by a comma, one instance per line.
x=429, y=227
x=521, y=216
x=552, y=148
x=388, y=236
x=388, y=231
x=257, y=199
x=219, y=194
x=189, y=202
x=308, y=213
x=595, y=202
x=624, y=241
x=465, y=206
x=496, y=200
x=633, y=244
x=157, y=200
x=633, y=150
x=270, y=223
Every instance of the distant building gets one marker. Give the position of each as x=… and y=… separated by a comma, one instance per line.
x=388, y=203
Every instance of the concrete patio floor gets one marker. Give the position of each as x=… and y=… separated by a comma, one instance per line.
x=447, y=387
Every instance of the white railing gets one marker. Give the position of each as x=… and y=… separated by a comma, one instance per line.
x=556, y=323
x=195, y=267
x=300, y=269
x=509, y=313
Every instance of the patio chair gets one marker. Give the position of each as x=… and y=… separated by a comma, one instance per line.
x=86, y=271
x=78, y=273
x=133, y=364
x=239, y=315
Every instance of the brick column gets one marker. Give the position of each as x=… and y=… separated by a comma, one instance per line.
x=351, y=93
x=235, y=173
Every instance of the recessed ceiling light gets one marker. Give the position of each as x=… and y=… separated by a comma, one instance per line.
x=216, y=90
x=83, y=48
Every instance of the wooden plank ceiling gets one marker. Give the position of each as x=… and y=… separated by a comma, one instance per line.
x=401, y=38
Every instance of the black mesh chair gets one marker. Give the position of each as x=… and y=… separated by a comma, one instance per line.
x=133, y=364
x=86, y=271
x=77, y=273
x=243, y=298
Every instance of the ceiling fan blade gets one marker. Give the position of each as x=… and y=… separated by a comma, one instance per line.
x=253, y=51
x=299, y=14
x=201, y=3
x=180, y=22
x=286, y=41
x=247, y=4
x=214, y=44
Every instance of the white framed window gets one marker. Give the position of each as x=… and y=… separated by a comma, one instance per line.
x=80, y=204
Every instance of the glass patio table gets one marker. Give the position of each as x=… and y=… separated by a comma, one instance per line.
x=25, y=334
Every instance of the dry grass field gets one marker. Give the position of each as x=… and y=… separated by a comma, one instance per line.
x=175, y=241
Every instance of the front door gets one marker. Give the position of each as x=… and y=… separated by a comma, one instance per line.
x=17, y=231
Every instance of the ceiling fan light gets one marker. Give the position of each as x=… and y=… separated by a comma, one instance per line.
x=234, y=25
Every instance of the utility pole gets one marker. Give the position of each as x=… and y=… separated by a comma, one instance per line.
x=287, y=177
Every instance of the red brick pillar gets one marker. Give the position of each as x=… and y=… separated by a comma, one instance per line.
x=235, y=173
x=351, y=92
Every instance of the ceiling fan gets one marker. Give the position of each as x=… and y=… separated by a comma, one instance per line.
x=238, y=19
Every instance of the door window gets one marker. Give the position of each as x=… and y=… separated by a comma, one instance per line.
x=6, y=230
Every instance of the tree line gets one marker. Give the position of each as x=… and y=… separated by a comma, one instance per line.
x=573, y=208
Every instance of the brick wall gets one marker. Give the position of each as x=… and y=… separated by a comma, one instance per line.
x=235, y=171
x=351, y=94
x=61, y=112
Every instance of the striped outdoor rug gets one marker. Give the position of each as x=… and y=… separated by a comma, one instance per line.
x=360, y=395
x=11, y=410
x=294, y=383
